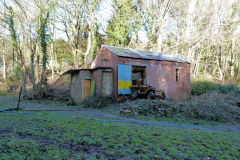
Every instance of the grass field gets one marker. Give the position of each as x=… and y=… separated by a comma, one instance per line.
x=53, y=136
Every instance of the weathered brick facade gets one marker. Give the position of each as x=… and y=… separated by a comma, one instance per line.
x=171, y=76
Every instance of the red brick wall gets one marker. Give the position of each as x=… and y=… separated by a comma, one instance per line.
x=159, y=74
x=162, y=75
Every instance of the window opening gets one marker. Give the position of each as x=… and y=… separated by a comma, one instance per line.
x=177, y=75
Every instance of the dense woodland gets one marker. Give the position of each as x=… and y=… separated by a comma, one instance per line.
x=204, y=32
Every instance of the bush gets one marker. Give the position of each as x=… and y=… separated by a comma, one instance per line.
x=214, y=111
x=213, y=106
x=97, y=101
x=229, y=88
x=199, y=87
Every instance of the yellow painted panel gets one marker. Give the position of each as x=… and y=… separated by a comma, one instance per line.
x=121, y=84
x=128, y=84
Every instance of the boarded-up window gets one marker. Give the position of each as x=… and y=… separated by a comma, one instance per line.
x=107, y=83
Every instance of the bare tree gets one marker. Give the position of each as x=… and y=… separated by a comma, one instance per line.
x=79, y=20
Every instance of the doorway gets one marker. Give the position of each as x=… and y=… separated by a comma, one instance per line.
x=138, y=75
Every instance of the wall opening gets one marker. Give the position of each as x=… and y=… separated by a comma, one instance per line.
x=138, y=75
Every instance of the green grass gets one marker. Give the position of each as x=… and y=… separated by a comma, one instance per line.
x=48, y=136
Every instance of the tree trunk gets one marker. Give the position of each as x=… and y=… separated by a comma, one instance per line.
x=3, y=58
x=38, y=71
x=53, y=57
x=196, y=68
x=237, y=71
x=23, y=70
x=160, y=35
x=219, y=64
x=231, y=60
x=43, y=80
x=88, y=47
x=4, y=68
x=32, y=73
x=43, y=20
x=52, y=61
x=189, y=54
x=75, y=64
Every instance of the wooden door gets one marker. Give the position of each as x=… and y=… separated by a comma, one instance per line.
x=86, y=88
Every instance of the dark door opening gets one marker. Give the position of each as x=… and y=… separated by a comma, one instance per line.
x=138, y=75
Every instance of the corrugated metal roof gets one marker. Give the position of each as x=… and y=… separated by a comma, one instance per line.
x=133, y=53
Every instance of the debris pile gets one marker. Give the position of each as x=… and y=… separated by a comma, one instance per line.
x=148, y=107
x=211, y=106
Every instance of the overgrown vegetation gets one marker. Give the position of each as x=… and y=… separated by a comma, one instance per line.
x=97, y=101
x=200, y=86
x=213, y=106
x=51, y=136
x=210, y=101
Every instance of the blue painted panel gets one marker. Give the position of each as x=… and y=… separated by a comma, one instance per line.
x=124, y=79
x=125, y=72
x=124, y=91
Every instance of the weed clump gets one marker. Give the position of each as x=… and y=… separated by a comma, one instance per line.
x=97, y=101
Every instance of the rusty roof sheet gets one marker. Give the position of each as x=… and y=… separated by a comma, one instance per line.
x=73, y=71
x=133, y=53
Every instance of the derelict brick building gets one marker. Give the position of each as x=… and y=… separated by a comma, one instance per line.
x=115, y=69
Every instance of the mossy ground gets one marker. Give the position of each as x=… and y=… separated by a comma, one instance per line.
x=77, y=134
